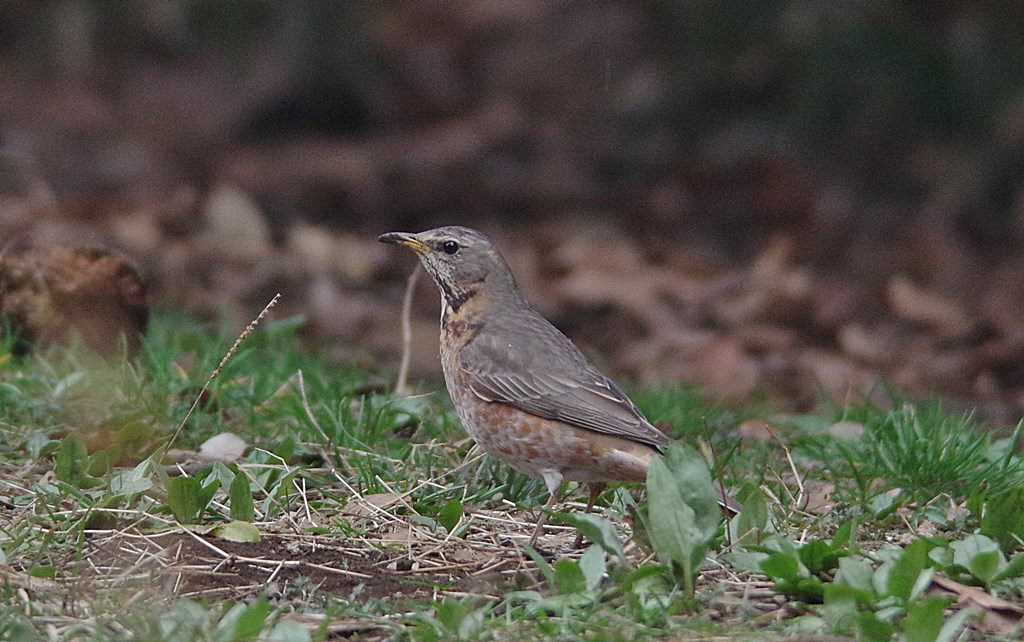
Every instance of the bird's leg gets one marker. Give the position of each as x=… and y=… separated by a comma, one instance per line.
x=543, y=519
x=553, y=480
x=595, y=491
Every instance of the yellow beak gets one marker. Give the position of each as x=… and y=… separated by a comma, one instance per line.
x=405, y=239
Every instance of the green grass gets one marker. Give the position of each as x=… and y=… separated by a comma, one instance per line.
x=357, y=496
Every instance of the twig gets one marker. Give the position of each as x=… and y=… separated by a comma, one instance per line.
x=792, y=467
x=401, y=387
x=306, y=407
x=249, y=329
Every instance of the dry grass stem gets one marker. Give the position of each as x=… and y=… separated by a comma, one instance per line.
x=249, y=329
x=401, y=385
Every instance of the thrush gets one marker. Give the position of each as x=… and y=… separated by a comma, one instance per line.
x=521, y=388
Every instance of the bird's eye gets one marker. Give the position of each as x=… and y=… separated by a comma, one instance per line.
x=449, y=247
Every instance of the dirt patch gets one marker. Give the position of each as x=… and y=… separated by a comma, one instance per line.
x=198, y=566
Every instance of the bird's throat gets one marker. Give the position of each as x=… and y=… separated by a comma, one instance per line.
x=453, y=298
x=465, y=306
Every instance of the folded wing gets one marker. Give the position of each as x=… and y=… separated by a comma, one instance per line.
x=537, y=369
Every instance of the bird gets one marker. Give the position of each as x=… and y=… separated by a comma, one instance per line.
x=521, y=388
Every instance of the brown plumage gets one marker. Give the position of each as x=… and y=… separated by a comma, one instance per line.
x=523, y=391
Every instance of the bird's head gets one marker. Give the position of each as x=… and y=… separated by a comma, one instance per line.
x=462, y=262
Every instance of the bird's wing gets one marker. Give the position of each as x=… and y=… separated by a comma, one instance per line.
x=529, y=364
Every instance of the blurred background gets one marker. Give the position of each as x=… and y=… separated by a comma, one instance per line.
x=798, y=201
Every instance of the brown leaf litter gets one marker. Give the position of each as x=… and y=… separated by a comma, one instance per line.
x=51, y=294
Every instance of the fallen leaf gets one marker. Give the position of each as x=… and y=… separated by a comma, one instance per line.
x=865, y=344
x=999, y=617
x=235, y=224
x=466, y=555
x=726, y=369
x=914, y=303
x=226, y=447
x=818, y=497
x=835, y=375
x=236, y=531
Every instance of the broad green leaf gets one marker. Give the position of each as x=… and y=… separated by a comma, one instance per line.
x=450, y=514
x=132, y=482
x=840, y=609
x=698, y=490
x=592, y=563
x=279, y=493
x=425, y=631
x=673, y=533
x=781, y=566
x=285, y=449
x=924, y=581
x=252, y=620
x=238, y=532
x=778, y=544
x=924, y=620
x=450, y=614
x=207, y=489
x=542, y=564
x=906, y=570
x=597, y=529
x=569, y=577
x=884, y=505
x=845, y=535
x=72, y=461
x=980, y=555
x=1003, y=518
x=185, y=499
x=240, y=495
x=1014, y=569
x=808, y=589
x=872, y=629
x=242, y=622
x=642, y=574
x=44, y=572
x=753, y=519
x=985, y=566
x=857, y=573
x=938, y=516
x=951, y=629
x=941, y=556
x=649, y=587
x=99, y=464
x=818, y=556
x=223, y=474
x=185, y=622
x=748, y=561
x=683, y=511
x=890, y=612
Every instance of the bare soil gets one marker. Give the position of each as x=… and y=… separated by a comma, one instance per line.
x=190, y=568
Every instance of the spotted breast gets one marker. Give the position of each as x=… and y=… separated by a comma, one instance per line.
x=532, y=444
